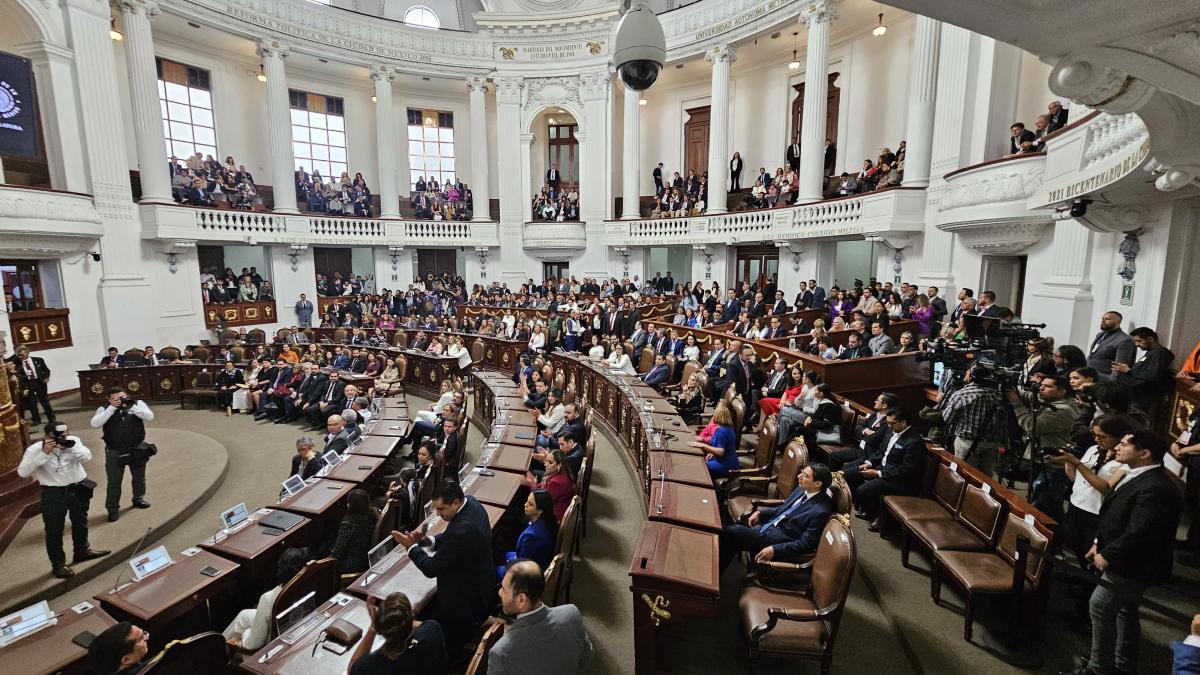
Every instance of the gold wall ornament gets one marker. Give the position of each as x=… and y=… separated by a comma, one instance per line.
x=165, y=384
x=658, y=608
x=54, y=330
x=231, y=315
x=133, y=385
x=268, y=310
x=508, y=53
x=212, y=316
x=26, y=333
x=97, y=388
x=251, y=313
x=595, y=47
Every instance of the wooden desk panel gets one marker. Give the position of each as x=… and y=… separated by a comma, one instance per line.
x=686, y=505
x=512, y=458
x=377, y=445
x=250, y=544
x=515, y=427
x=156, y=601
x=387, y=428
x=298, y=658
x=319, y=499
x=50, y=650
x=689, y=469
x=497, y=490
x=356, y=470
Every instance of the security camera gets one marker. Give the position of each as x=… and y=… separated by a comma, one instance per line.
x=1079, y=207
x=639, y=48
x=96, y=257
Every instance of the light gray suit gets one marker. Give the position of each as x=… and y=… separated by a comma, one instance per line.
x=549, y=640
x=1109, y=346
x=881, y=344
x=304, y=312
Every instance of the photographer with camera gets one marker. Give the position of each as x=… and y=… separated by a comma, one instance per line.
x=973, y=418
x=57, y=463
x=124, y=446
x=1046, y=416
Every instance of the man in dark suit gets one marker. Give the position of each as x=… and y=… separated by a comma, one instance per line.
x=818, y=299
x=334, y=311
x=1149, y=376
x=461, y=563
x=658, y=180
x=450, y=446
x=715, y=359
x=675, y=345
x=358, y=362
x=739, y=373
x=758, y=307
x=938, y=303
x=1134, y=550
x=732, y=307
x=1110, y=344
x=1020, y=136
x=868, y=434
x=227, y=383
x=330, y=398
x=632, y=318
x=337, y=436
x=854, y=348
x=32, y=377
x=658, y=375
x=305, y=391
x=792, y=154
x=804, y=298
x=114, y=359
x=780, y=306
x=612, y=322
x=639, y=338
x=776, y=330
x=552, y=177
x=788, y=531
x=893, y=469
x=306, y=462
x=987, y=305
x=1058, y=116
x=772, y=387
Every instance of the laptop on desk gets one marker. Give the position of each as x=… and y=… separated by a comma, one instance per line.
x=281, y=520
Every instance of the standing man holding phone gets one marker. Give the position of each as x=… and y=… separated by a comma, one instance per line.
x=57, y=463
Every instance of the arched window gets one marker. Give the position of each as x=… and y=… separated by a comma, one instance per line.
x=420, y=15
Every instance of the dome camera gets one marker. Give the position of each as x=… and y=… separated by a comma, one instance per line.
x=639, y=48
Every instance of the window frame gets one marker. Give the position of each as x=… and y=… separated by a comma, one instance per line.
x=169, y=120
x=335, y=107
x=431, y=120
x=437, y=20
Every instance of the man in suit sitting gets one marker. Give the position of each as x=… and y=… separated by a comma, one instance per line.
x=853, y=349
x=893, y=469
x=776, y=330
x=638, y=337
x=780, y=306
x=329, y=399
x=787, y=531
x=658, y=375
x=880, y=343
x=1134, y=550
x=114, y=359
x=987, y=305
x=306, y=462
x=461, y=562
x=337, y=437
x=523, y=649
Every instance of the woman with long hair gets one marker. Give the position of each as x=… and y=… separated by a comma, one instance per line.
x=355, y=535
x=537, y=541
x=720, y=451
x=409, y=646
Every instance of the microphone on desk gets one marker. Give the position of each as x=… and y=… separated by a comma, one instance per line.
x=662, y=487
x=121, y=571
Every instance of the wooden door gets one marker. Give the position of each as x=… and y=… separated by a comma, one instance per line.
x=695, y=143
x=211, y=256
x=1005, y=276
x=832, y=103
x=435, y=261
x=329, y=261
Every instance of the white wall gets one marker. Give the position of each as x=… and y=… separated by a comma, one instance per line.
x=237, y=257
x=1033, y=94
x=874, y=94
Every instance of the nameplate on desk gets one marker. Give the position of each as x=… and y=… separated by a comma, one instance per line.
x=26, y=622
x=83, y=607
x=150, y=562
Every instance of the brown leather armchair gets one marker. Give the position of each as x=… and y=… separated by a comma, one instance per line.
x=763, y=459
x=948, y=490
x=798, y=574
x=991, y=573
x=803, y=623
x=745, y=493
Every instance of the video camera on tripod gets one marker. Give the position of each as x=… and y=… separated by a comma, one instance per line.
x=998, y=345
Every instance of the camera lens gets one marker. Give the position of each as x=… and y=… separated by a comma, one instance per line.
x=639, y=75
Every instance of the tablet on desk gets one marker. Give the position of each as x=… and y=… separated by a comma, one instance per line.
x=331, y=459
x=293, y=485
x=145, y=564
x=234, y=517
x=25, y=622
x=523, y=435
x=380, y=551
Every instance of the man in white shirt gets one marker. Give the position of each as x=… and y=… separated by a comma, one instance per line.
x=57, y=463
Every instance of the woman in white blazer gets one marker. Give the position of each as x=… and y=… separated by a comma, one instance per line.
x=459, y=351
x=619, y=360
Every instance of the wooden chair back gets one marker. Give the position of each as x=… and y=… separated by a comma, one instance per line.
x=202, y=354
x=553, y=580
x=566, y=530
x=478, y=350
x=171, y=353
x=400, y=339
x=795, y=458
x=401, y=366
x=646, y=360
x=491, y=636
x=832, y=569
x=202, y=653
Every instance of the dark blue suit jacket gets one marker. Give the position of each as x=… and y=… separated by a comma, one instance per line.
x=675, y=347
x=462, y=565
x=802, y=528
x=657, y=376
x=1187, y=659
x=732, y=309
x=715, y=368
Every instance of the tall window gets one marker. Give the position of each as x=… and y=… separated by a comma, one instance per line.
x=184, y=94
x=318, y=133
x=430, y=145
x=563, y=150
x=421, y=16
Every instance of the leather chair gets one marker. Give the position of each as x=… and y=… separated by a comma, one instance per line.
x=228, y=336
x=973, y=528
x=134, y=357
x=239, y=353
x=849, y=419
x=340, y=335
x=203, y=653
x=201, y=389
x=553, y=576
x=567, y=531
x=282, y=334
x=761, y=461
x=400, y=339
x=256, y=336
x=803, y=623
x=401, y=367
x=569, y=394
x=171, y=353
x=319, y=577
x=991, y=573
x=478, y=351
x=645, y=360
x=490, y=637
x=689, y=368
x=746, y=493
x=948, y=490
x=798, y=574
x=584, y=484
x=201, y=354
x=311, y=334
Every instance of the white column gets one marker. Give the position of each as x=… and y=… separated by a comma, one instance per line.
x=279, y=126
x=817, y=16
x=721, y=57
x=59, y=114
x=630, y=156
x=143, y=93
x=922, y=96
x=514, y=204
x=385, y=137
x=477, y=88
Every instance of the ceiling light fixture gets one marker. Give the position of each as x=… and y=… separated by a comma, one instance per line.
x=374, y=99
x=642, y=100
x=794, y=64
x=880, y=29
x=262, y=75
x=112, y=30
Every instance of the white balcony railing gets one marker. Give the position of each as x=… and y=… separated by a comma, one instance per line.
x=1094, y=157
x=174, y=222
x=894, y=210
x=554, y=240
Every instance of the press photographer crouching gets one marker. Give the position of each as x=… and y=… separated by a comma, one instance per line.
x=57, y=463
x=1046, y=416
x=124, y=446
x=975, y=418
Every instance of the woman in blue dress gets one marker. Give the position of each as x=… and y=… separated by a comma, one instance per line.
x=721, y=451
x=538, y=540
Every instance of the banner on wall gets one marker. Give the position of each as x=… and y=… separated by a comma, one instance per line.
x=18, y=120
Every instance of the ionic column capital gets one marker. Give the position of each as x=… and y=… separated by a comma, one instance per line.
x=721, y=54
x=381, y=72
x=273, y=49
x=820, y=11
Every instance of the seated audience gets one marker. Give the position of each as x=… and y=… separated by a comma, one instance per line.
x=541, y=640
x=251, y=628
x=409, y=646
x=720, y=451
x=786, y=532
x=537, y=541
